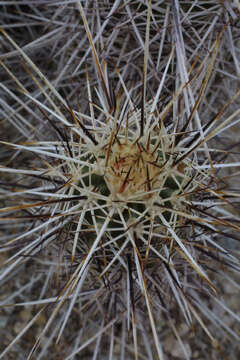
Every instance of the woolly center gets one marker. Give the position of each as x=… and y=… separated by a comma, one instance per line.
x=132, y=170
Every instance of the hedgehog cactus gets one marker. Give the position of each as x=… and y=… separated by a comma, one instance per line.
x=131, y=197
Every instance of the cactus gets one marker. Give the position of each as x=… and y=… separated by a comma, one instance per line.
x=125, y=211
